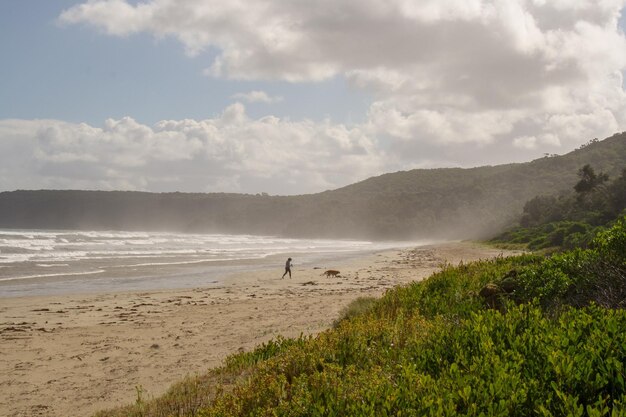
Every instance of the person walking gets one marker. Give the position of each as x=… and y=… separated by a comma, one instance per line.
x=287, y=268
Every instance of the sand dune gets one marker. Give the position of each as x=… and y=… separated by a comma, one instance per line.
x=74, y=355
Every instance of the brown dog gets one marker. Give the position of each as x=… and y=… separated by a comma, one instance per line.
x=331, y=273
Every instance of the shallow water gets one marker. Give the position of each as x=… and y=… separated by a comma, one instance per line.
x=45, y=262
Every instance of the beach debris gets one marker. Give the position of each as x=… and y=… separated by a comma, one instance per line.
x=14, y=329
x=143, y=305
x=309, y=283
x=43, y=329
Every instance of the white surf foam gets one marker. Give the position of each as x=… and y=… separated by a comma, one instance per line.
x=99, y=271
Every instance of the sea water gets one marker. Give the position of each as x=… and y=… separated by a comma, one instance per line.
x=46, y=262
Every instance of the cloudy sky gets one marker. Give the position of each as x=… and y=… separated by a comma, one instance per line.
x=293, y=97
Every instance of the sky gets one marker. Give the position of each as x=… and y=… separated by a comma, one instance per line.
x=295, y=97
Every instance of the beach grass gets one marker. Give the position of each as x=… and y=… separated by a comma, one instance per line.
x=356, y=308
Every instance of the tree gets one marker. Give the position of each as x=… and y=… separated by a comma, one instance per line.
x=617, y=192
x=589, y=181
x=538, y=210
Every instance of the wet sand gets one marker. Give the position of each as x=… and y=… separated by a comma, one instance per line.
x=74, y=355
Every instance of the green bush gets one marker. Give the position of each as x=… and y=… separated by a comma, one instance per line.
x=581, y=276
x=571, y=220
x=517, y=364
x=435, y=348
x=357, y=307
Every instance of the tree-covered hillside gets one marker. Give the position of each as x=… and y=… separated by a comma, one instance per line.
x=458, y=203
x=476, y=201
x=569, y=220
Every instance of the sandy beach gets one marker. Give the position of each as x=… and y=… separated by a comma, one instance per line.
x=74, y=355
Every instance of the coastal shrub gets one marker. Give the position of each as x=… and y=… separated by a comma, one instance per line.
x=263, y=352
x=184, y=399
x=571, y=220
x=431, y=348
x=452, y=292
x=435, y=348
x=580, y=276
x=552, y=235
x=521, y=363
x=577, y=240
x=357, y=307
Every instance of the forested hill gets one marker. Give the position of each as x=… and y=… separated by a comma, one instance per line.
x=451, y=203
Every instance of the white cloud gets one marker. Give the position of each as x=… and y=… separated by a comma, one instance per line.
x=534, y=142
x=257, y=97
x=230, y=152
x=440, y=71
x=527, y=142
x=598, y=123
x=116, y=17
x=453, y=82
x=287, y=39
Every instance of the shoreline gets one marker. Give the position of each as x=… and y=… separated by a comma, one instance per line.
x=72, y=355
x=108, y=276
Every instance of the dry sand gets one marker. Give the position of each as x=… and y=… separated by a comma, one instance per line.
x=75, y=355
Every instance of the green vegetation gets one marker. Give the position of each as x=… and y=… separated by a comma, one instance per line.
x=571, y=220
x=357, y=307
x=421, y=203
x=520, y=336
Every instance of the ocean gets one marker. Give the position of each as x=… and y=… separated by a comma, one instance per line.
x=53, y=262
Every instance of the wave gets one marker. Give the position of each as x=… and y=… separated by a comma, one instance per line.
x=99, y=271
x=48, y=246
